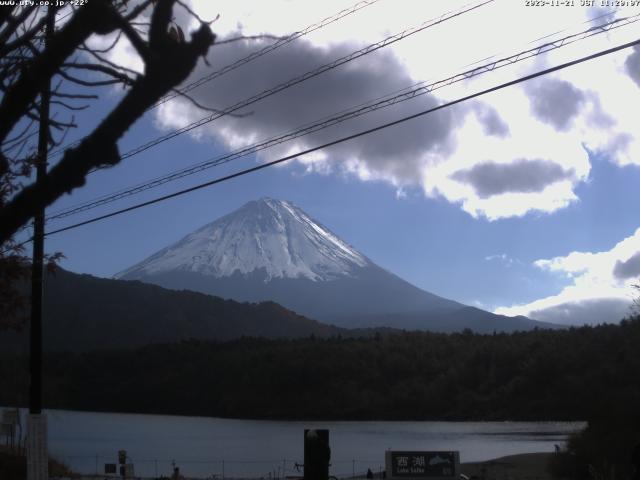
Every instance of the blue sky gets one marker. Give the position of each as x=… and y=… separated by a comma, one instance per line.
x=522, y=202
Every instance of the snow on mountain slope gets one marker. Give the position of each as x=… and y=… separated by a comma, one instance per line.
x=267, y=234
x=270, y=250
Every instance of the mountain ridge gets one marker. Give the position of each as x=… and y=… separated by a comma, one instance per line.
x=84, y=313
x=272, y=250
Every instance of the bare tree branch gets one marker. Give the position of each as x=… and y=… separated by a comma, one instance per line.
x=197, y=104
x=250, y=37
x=168, y=64
x=68, y=106
x=87, y=83
x=113, y=65
x=97, y=16
x=138, y=10
x=61, y=126
x=6, y=13
x=84, y=47
x=195, y=15
x=24, y=38
x=13, y=23
x=102, y=69
x=74, y=95
x=19, y=135
x=136, y=40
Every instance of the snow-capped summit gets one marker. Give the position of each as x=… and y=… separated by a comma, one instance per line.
x=273, y=237
x=271, y=250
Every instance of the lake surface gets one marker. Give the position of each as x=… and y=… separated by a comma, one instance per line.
x=202, y=447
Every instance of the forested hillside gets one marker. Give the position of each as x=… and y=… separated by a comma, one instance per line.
x=573, y=374
x=87, y=313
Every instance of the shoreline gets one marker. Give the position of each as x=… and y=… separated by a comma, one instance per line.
x=524, y=466
x=337, y=419
x=515, y=467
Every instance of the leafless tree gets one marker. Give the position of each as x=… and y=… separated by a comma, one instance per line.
x=73, y=68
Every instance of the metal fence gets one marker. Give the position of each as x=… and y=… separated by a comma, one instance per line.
x=93, y=467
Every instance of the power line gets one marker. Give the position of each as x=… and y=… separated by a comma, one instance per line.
x=350, y=137
x=591, y=20
x=305, y=76
x=405, y=95
x=550, y=35
x=408, y=93
x=252, y=56
x=269, y=48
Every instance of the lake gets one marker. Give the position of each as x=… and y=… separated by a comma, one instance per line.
x=260, y=448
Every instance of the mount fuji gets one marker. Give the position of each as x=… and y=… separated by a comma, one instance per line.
x=271, y=250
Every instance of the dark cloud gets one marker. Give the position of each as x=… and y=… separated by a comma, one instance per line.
x=392, y=152
x=492, y=123
x=598, y=118
x=628, y=269
x=632, y=65
x=555, y=101
x=586, y=312
x=521, y=176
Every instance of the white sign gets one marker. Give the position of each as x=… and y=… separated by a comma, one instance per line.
x=422, y=465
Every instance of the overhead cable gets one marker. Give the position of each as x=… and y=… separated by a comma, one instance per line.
x=252, y=56
x=305, y=76
x=269, y=48
x=409, y=93
x=350, y=137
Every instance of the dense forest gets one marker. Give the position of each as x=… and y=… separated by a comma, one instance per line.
x=85, y=313
x=579, y=373
x=89, y=313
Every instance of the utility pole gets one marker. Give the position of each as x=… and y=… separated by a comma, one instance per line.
x=37, y=452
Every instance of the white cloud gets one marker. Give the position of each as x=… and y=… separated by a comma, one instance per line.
x=521, y=150
x=397, y=155
x=600, y=288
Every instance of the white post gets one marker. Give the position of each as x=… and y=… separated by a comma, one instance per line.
x=37, y=458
